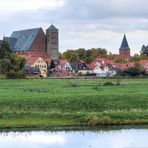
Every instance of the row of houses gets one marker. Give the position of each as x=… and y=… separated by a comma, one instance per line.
x=100, y=67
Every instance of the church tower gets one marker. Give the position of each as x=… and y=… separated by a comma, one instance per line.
x=124, y=50
x=52, y=35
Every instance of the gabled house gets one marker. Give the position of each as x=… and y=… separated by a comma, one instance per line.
x=123, y=66
x=64, y=65
x=99, y=67
x=103, y=67
x=80, y=67
x=40, y=63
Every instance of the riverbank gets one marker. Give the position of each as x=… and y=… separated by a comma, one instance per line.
x=86, y=102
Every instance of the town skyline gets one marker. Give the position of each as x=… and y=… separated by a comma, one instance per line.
x=84, y=28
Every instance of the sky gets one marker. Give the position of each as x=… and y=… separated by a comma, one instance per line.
x=81, y=23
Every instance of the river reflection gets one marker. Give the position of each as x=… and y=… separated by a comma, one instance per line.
x=127, y=138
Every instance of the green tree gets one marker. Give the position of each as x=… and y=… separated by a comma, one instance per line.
x=5, y=50
x=17, y=62
x=111, y=56
x=136, y=70
x=71, y=55
x=82, y=54
x=102, y=52
x=120, y=61
x=135, y=58
x=5, y=66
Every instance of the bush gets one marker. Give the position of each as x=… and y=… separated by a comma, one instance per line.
x=106, y=120
x=108, y=84
x=15, y=75
x=118, y=82
x=73, y=84
x=94, y=120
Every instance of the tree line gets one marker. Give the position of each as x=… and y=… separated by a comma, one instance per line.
x=75, y=55
x=83, y=54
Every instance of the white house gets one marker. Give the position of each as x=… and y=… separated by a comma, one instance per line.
x=102, y=67
x=64, y=65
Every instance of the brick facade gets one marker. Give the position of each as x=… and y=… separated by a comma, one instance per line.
x=39, y=44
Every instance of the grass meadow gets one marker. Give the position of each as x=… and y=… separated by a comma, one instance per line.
x=73, y=102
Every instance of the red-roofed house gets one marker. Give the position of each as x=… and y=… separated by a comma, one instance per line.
x=123, y=66
x=40, y=63
x=64, y=65
x=102, y=67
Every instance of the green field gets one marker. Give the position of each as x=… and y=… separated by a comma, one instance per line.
x=65, y=102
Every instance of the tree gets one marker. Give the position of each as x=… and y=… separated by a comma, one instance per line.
x=102, y=52
x=61, y=56
x=136, y=70
x=5, y=66
x=71, y=55
x=110, y=56
x=82, y=54
x=136, y=57
x=85, y=55
x=52, y=64
x=120, y=60
x=143, y=57
x=5, y=51
x=17, y=62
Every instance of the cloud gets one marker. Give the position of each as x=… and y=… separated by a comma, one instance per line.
x=94, y=9
x=82, y=23
x=11, y=5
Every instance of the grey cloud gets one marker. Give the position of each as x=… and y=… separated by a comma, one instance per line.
x=95, y=9
x=82, y=17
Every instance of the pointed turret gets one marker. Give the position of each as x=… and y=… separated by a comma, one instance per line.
x=124, y=49
x=124, y=44
x=52, y=28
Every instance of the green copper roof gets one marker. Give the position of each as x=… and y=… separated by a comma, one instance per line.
x=124, y=44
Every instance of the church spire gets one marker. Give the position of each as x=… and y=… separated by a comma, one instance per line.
x=124, y=49
x=124, y=44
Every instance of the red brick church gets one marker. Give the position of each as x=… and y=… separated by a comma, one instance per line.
x=35, y=43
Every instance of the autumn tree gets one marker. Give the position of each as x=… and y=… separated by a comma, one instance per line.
x=85, y=55
x=71, y=55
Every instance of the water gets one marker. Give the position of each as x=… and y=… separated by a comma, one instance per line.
x=125, y=138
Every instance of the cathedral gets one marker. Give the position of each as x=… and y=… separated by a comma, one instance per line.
x=35, y=43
